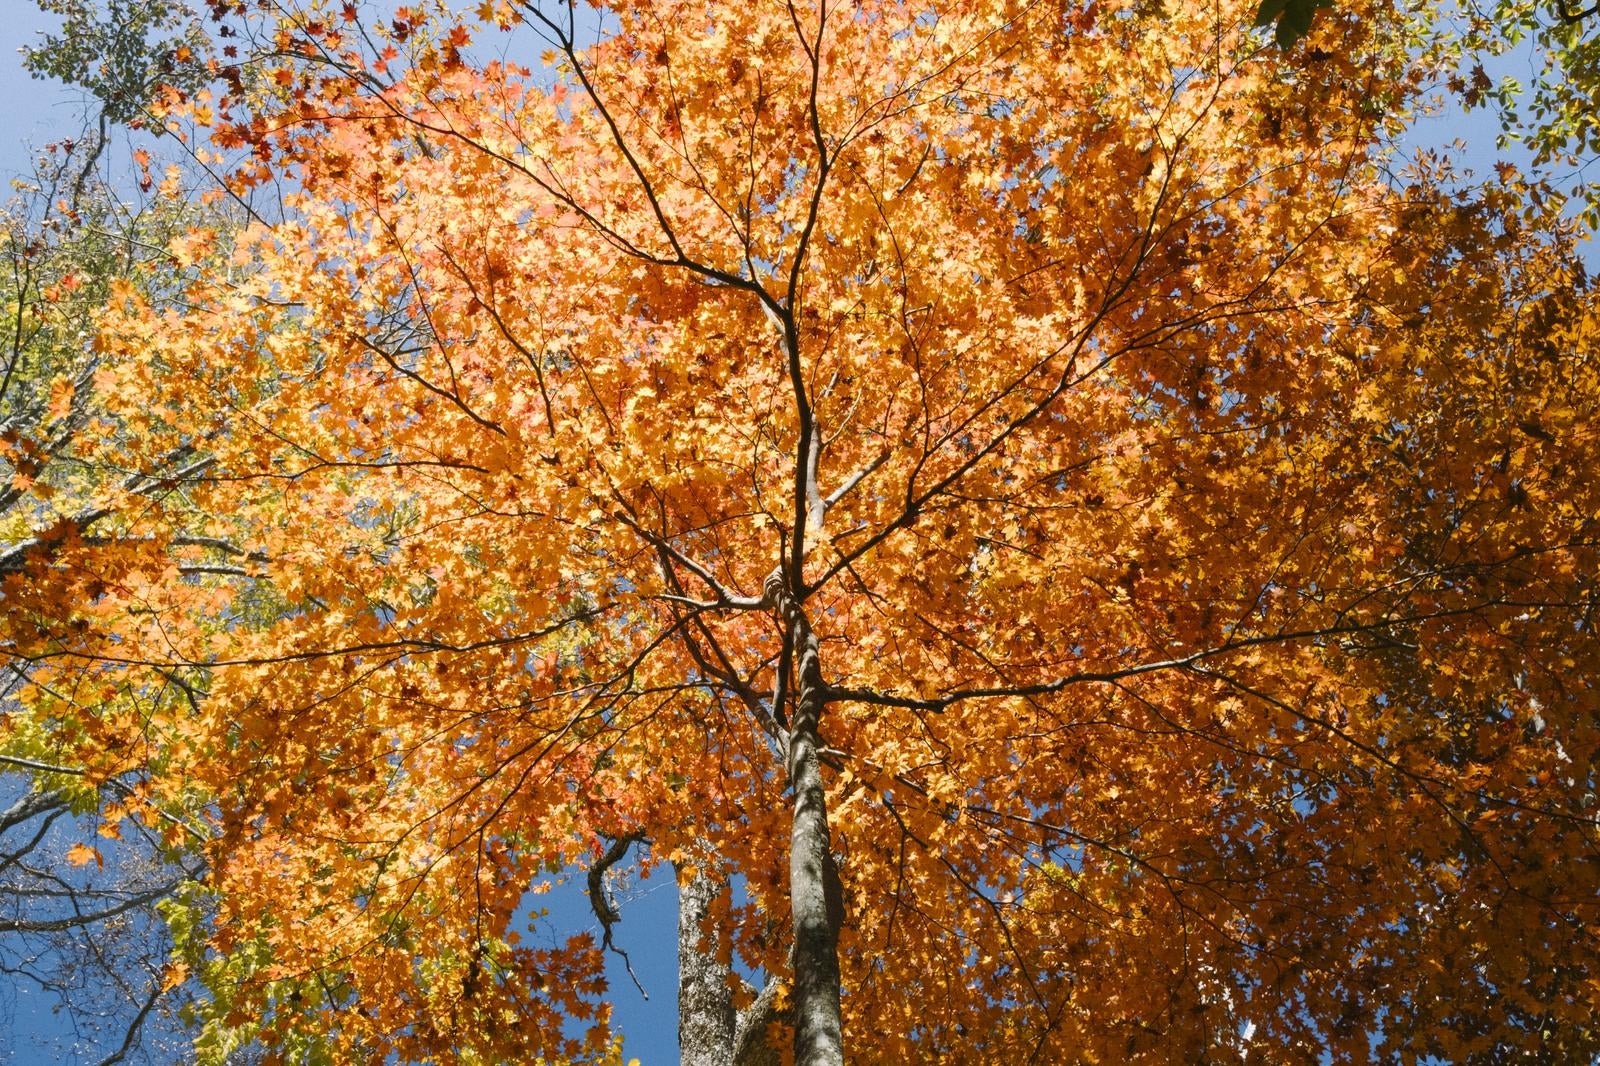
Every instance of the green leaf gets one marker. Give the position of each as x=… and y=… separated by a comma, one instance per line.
x=1294, y=18
x=1270, y=11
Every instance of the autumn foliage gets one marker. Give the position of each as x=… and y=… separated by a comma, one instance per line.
x=1048, y=435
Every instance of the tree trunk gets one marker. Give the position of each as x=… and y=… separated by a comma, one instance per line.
x=813, y=887
x=705, y=994
x=750, y=1045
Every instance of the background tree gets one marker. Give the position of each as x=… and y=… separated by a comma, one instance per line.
x=1150, y=550
x=124, y=53
x=85, y=861
x=1553, y=112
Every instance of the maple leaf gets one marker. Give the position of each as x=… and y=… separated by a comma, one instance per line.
x=82, y=854
x=62, y=391
x=1292, y=17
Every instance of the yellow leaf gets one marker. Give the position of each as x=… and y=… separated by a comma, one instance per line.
x=83, y=854
x=173, y=975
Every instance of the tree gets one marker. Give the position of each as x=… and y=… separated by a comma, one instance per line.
x=1015, y=475
x=85, y=860
x=124, y=53
x=1551, y=114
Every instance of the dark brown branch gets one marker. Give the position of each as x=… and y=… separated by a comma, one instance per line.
x=600, y=900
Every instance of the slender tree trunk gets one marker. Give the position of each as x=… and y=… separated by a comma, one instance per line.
x=705, y=994
x=813, y=887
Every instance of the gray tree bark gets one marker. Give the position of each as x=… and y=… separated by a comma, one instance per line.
x=750, y=1044
x=813, y=882
x=710, y=1032
x=705, y=994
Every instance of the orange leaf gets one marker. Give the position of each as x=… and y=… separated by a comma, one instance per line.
x=83, y=854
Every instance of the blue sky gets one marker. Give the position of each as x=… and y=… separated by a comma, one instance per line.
x=33, y=112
